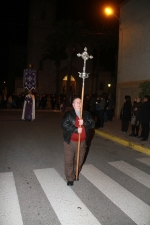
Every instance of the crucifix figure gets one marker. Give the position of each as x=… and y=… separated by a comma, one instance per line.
x=85, y=56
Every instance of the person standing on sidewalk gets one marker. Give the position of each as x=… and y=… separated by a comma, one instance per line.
x=72, y=126
x=110, y=107
x=97, y=109
x=101, y=111
x=92, y=106
x=100, y=108
x=126, y=113
x=135, y=110
x=144, y=118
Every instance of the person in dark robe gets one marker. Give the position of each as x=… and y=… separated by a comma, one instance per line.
x=126, y=113
x=144, y=118
x=28, y=112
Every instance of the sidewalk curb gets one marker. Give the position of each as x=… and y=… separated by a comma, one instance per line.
x=124, y=142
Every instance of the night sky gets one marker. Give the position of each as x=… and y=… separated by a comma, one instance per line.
x=86, y=10
x=14, y=27
x=14, y=21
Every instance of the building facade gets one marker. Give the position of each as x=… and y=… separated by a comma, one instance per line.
x=134, y=49
x=42, y=20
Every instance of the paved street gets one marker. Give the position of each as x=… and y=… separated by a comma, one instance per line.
x=113, y=188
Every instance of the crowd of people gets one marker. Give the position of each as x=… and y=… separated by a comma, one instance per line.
x=134, y=115
x=138, y=114
x=100, y=107
x=42, y=101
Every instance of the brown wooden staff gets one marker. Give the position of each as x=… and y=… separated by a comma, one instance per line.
x=83, y=75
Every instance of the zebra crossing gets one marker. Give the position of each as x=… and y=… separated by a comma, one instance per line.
x=61, y=197
x=67, y=205
x=136, y=209
x=9, y=205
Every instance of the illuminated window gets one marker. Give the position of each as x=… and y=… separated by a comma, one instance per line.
x=72, y=78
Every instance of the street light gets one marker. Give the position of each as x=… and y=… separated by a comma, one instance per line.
x=109, y=11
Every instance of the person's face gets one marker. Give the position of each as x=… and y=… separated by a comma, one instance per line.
x=138, y=99
x=77, y=104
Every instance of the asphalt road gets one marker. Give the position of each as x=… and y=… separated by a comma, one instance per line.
x=113, y=188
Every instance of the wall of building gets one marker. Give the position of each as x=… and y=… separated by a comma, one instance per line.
x=41, y=20
x=134, y=49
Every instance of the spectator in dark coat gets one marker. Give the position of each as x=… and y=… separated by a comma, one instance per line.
x=110, y=107
x=135, y=110
x=64, y=105
x=101, y=111
x=44, y=101
x=86, y=103
x=97, y=109
x=22, y=99
x=126, y=113
x=92, y=106
x=144, y=118
x=53, y=101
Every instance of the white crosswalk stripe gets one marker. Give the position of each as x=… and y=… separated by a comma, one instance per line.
x=68, y=207
x=136, y=209
x=145, y=161
x=9, y=205
x=133, y=172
